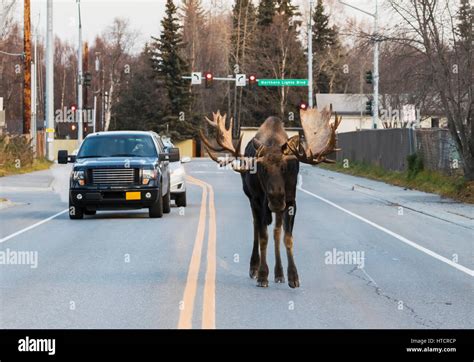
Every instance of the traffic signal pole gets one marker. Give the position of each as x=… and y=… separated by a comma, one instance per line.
x=49, y=81
x=375, y=110
x=310, y=55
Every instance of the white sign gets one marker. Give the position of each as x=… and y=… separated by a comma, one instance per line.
x=196, y=78
x=409, y=113
x=1, y=103
x=240, y=80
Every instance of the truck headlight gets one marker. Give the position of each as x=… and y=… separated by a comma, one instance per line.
x=148, y=175
x=79, y=177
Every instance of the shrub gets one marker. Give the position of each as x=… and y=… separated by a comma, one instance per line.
x=415, y=165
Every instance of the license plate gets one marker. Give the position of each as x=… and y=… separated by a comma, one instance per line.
x=133, y=195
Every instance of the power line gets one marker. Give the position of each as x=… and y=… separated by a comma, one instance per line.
x=13, y=54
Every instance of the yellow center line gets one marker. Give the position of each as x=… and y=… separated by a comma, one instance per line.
x=209, y=299
x=186, y=313
x=209, y=294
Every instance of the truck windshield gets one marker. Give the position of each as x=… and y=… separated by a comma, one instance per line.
x=118, y=146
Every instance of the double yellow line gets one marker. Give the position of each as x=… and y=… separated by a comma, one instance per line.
x=209, y=294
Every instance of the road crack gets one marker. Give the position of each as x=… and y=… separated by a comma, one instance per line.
x=371, y=283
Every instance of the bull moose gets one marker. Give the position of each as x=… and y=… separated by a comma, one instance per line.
x=272, y=188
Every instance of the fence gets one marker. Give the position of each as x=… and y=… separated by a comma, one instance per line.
x=438, y=150
x=389, y=148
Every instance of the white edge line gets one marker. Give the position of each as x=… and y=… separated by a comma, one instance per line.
x=395, y=235
x=32, y=226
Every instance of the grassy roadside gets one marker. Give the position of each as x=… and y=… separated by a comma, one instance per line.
x=454, y=187
x=37, y=165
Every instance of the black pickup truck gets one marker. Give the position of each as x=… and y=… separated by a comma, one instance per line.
x=120, y=170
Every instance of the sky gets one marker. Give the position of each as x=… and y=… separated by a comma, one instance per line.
x=144, y=15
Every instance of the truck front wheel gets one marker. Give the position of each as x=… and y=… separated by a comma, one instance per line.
x=156, y=210
x=75, y=212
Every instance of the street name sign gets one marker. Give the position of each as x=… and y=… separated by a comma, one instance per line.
x=282, y=82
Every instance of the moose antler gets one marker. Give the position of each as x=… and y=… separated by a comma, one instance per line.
x=320, y=136
x=224, y=140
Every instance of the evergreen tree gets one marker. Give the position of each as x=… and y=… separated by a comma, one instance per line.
x=169, y=64
x=286, y=9
x=466, y=18
x=266, y=12
x=327, y=51
x=139, y=103
x=323, y=35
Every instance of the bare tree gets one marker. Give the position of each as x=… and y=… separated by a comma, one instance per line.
x=431, y=29
x=119, y=41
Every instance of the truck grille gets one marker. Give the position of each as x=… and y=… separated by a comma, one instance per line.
x=113, y=176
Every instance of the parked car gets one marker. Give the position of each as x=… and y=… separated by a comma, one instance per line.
x=120, y=170
x=178, y=177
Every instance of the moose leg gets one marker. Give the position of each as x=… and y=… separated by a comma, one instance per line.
x=279, y=276
x=262, y=279
x=289, y=220
x=255, y=258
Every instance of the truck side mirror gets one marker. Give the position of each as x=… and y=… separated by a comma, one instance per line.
x=174, y=154
x=62, y=157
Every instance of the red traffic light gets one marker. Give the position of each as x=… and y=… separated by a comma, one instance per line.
x=252, y=81
x=209, y=79
x=303, y=106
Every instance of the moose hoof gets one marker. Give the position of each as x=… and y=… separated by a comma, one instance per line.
x=262, y=284
x=253, y=273
x=279, y=279
x=294, y=283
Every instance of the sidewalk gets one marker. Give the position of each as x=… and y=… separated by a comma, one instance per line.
x=33, y=181
x=429, y=204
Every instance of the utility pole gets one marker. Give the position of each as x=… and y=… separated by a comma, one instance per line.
x=26, y=67
x=310, y=55
x=375, y=109
x=49, y=116
x=376, y=77
x=34, y=71
x=80, y=126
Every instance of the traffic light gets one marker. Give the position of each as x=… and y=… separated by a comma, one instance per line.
x=368, y=77
x=209, y=79
x=303, y=106
x=368, y=108
x=73, y=108
x=87, y=79
x=252, y=81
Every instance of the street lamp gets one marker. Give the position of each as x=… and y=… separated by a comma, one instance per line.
x=375, y=15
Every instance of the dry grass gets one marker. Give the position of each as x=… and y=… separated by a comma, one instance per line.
x=36, y=165
x=455, y=187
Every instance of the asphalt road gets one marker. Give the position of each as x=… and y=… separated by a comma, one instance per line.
x=190, y=269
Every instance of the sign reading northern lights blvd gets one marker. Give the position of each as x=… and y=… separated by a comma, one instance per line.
x=282, y=82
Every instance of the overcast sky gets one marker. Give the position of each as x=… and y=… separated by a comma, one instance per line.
x=144, y=15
